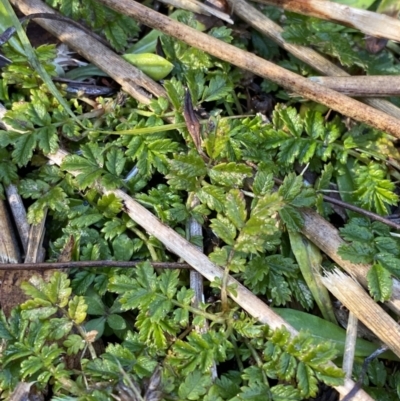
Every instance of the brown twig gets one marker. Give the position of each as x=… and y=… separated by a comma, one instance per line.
x=345, y=205
x=371, y=215
x=97, y=264
x=258, y=66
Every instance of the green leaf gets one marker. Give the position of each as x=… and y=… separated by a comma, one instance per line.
x=109, y=205
x=115, y=161
x=218, y=88
x=95, y=305
x=74, y=344
x=213, y=196
x=77, y=309
x=58, y=289
x=229, y=174
x=23, y=149
x=307, y=382
x=88, y=171
x=235, y=208
x=292, y=218
x=154, y=66
x=116, y=322
x=185, y=171
x=374, y=191
x=224, y=229
x=263, y=182
x=322, y=330
x=291, y=187
x=194, y=386
x=60, y=328
x=123, y=247
x=31, y=365
x=379, y=283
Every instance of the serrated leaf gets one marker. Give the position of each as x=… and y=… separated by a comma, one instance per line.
x=224, y=229
x=58, y=289
x=379, y=283
x=357, y=252
x=74, y=344
x=23, y=149
x=235, y=208
x=292, y=218
x=229, y=174
x=263, y=182
x=60, y=328
x=194, y=386
x=77, y=309
x=218, y=88
x=291, y=187
x=31, y=365
x=389, y=262
x=307, y=382
x=213, y=196
x=115, y=161
x=109, y=205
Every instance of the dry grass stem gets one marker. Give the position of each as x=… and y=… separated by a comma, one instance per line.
x=258, y=66
x=200, y=262
x=9, y=252
x=354, y=298
x=19, y=213
x=350, y=345
x=326, y=237
x=34, y=253
x=364, y=85
x=131, y=79
x=309, y=56
x=374, y=24
x=199, y=8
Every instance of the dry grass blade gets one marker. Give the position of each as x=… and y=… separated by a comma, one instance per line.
x=8, y=245
x=364, y=85
x=353, y=296
x=350, y=345
x=19, y=213
x=131, y=79
x=199, y=8
x=374, y=24
x=327, y=238
x=258, y=66
x=272, y=30
x=200, y=262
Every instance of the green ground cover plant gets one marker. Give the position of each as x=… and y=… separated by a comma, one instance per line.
x=251, y=175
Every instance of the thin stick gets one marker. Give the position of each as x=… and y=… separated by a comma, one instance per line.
x=257, y=65
x=374, y=24
x=370, y=215
x=363, y=85
x=187, y=251
x=267, y=27
x=96, y=264
x=131, y=79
